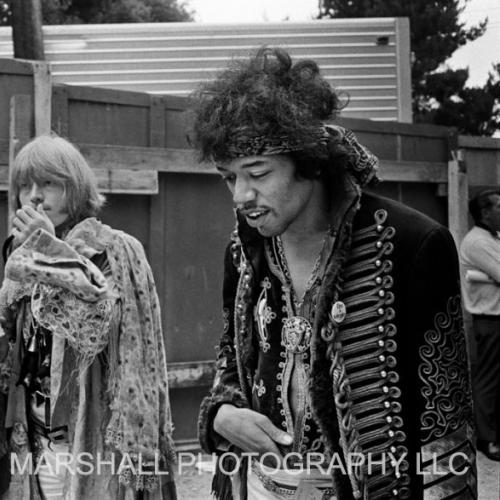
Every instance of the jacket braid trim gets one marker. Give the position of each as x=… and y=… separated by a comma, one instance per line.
x=363, y=365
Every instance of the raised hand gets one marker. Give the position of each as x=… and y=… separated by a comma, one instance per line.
x=27, y=220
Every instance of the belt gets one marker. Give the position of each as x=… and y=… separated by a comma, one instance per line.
x=289, y=490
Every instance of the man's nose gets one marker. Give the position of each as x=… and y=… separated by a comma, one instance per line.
x=36, y=194
x=243, y=192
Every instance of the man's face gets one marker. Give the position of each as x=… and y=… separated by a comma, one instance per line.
x=267, y=191
x=50, y=194
x=491, y=216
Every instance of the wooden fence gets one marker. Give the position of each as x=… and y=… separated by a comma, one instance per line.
x=181, y=212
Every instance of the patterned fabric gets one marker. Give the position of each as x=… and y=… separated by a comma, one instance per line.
x=42, y=258
x=6, y=368
x=117, y=313
x=363, y=165
x=442, y=355
x=245, y=143
x=363, y=364
x=296, y=317
x=62, y=313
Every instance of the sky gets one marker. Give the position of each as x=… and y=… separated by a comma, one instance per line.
x=227, y=11
x=481, y=53
x=478, y=55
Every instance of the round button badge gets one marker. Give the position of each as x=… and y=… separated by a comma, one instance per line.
x=338, y=312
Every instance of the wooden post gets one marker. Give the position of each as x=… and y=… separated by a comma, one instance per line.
x=458, y=191
x=60, y=111
x=27, y=34
x=20, y=131
x=458, y=207
x=156, y=246
x=403, y=54
x=42, y=91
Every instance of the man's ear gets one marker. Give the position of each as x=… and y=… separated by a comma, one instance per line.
x=485, y=214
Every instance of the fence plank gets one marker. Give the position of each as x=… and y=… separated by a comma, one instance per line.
x=4, y=177
x=110, y=181
x=16, y=67
x=157, y=204
x=20, y=130
x=60, y=110
x=137, y=158
x=393, y=128
x=42, y=85
x=413, y=171
x=185, y=161
x=107, y=96
x=4, y=152
x=190, y=374
x=157, y=122
x=475, y=142
x=127, y=181
x=106, y=158
x=458, y=194
x=458, y=189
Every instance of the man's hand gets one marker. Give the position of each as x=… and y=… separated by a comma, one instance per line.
x=250, y=431
x=28, y=220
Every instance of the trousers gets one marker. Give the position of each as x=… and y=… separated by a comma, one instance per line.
x=486, y=378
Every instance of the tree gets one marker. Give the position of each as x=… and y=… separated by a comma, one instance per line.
x=473, y=110
x=104, y=11
x=440, y=94
x=27, y=30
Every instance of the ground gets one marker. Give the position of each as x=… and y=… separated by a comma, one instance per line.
x=194, y=481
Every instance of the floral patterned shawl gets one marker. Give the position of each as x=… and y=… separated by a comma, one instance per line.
x=79, y=303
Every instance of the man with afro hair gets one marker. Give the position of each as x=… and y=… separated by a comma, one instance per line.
x=342, y=365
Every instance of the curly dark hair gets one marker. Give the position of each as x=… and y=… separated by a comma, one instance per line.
x=268, y=96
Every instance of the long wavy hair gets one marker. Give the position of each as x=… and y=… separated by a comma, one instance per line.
x=269, y=96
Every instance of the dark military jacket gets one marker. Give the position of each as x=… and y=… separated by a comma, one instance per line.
x=389, y=379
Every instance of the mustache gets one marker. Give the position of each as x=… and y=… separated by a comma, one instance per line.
x=250, y=206
x=246, y=207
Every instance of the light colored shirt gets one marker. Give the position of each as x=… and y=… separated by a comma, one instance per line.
x=480, y=251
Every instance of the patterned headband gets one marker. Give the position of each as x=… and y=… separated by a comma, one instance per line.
x=244, y=144
x=363, y=165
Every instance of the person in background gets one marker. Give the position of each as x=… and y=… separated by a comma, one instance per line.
x=343, y=334
x=83, y=368
x=480, y=262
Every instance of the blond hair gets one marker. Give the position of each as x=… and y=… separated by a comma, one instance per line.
x=50, y=157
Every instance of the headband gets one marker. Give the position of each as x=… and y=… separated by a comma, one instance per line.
x=244, y=143
x=363, y=164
